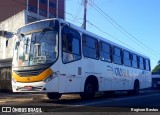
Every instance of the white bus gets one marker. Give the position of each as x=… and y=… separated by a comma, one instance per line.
x=56, y=57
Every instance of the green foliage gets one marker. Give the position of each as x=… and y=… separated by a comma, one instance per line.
x=156, y=69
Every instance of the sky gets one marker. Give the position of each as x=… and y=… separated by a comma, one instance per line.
x=134, y=24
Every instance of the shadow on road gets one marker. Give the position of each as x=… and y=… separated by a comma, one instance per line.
x=75, y=99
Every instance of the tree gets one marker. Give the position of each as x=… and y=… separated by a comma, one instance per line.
x=156, y=69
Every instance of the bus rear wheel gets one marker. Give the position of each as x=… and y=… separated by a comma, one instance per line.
x=89, y=91
x=135, y=90
x=54, y=95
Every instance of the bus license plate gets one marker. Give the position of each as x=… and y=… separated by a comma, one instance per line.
x=28, y=87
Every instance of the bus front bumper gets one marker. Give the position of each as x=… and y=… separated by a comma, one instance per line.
x=40, y=86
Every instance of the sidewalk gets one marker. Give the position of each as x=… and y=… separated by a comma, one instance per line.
x=18, y=97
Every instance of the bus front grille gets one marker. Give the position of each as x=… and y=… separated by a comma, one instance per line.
x=24, y=73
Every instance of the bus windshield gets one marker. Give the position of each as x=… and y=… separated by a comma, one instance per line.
x=36, y=48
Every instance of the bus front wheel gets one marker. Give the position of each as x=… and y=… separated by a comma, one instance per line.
x=89, y=91
x=54, y=95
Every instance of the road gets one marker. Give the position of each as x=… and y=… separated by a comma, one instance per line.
x=148, y=100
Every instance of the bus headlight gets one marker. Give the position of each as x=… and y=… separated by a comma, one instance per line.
x=49, y=78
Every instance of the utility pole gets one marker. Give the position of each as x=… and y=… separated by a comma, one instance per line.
x=85, y=13
x=57, y=9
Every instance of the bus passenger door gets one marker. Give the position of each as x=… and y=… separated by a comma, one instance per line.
x=71, y=61
x=70, y=77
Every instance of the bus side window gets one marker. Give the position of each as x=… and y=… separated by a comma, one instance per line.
x=141, y=62
x=126, y=58
x=117, y=55
x=105, y=51
x=134, y=61
x=69, y=41
x=90, y=47
x=147, y=64
x=71, y=50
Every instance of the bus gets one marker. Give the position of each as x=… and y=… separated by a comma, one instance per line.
x=55, y=57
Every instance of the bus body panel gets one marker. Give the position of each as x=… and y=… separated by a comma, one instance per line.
x=107, y=76
x=70, y=78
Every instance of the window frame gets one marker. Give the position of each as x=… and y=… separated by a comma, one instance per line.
x=80, y=51
x=32, y=7
x=128, y=59
x=101, y=50
x=139, y=62
x=97, y=50
x=133, y=54
x=114, y=54
x=43, y=12
x=52, y=5
x=149, y=67
x=43, y=1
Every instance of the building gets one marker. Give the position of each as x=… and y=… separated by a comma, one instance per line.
x=15, y=14
x=34, y=9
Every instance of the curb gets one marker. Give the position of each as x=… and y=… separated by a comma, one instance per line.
x=6, y=98
x=15, y=100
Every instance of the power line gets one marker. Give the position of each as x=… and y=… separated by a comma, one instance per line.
x=98, y=29
x=78, y=10
x=74, y=21
x=130, y=47
x=106, y=33
x=145, y=46
x=115, y=38
x=128, y=36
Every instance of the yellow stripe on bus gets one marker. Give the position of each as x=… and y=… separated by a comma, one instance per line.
x=37, y=78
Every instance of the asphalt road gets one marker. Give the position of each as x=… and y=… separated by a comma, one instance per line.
x=120, y=102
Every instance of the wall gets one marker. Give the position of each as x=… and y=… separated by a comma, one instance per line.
x=9, y=8
x=61, y=9
x=11, y=24
x=6, y=48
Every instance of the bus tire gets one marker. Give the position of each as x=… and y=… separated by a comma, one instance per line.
x=54, y=95
x=135, y=90
x=89, y=91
